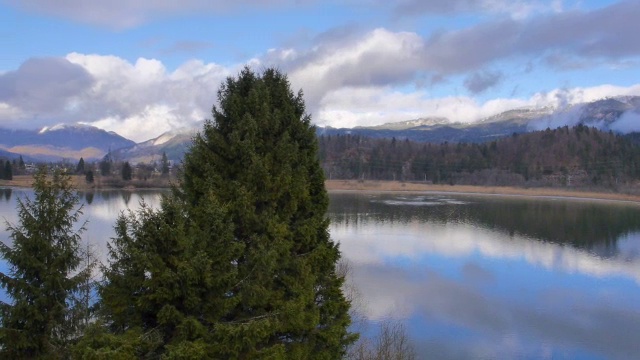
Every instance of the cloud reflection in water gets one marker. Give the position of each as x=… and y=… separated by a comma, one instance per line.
x=471, y=290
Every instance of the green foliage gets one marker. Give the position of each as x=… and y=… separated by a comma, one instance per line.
x=177, y=265
x=259, y=155
x=44, y=278
x=237, y=262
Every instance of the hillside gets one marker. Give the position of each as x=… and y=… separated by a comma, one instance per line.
x=620, y=114
x=576, y=157
x=173, y=143
x=61, y=142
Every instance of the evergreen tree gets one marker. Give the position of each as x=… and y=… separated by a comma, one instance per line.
x=21, y=163
x=43, y=277
x=165, y=164
x=126, y=171
x=259, y=155
x=105, y=164
x=8, y=170
x=237, y=262
x=80, y=166
x=88, y=177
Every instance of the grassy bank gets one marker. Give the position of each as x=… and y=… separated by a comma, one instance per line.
x=397, y=186
x=100, y=182
x=355, y=185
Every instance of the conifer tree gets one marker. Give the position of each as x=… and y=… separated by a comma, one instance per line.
x=259, y=155
x=165, y=164
x=43, y=277
x=80, y=166
x=8, y=170
x=237, y=262
x=88, y=177
x=105, y=164
x=126, y=171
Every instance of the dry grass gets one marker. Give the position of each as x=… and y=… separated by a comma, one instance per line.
x=372, y=186
x=395, y=186
x=80, y=183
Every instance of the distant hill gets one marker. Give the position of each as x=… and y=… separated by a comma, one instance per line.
x=62, y=142
x=580, y=156
x=173, y=143
x=620, y=114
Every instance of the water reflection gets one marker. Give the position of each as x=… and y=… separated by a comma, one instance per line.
x=473, y=277
x=582, y=224
x=100, y=210
x=88, y=197
x=496, y=277
x=7, y=193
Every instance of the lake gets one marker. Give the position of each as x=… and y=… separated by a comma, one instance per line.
x=472, y=277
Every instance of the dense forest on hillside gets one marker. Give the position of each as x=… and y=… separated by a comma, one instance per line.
x=578, y=157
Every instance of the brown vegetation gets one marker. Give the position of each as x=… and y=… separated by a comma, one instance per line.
x=391, y=186
x=578, y=157
x=100, y=182
x=357, y=185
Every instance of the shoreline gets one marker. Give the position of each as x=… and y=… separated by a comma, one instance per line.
x=409, y=187
x=381, y=186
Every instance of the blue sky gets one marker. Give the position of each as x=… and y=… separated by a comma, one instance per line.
x=144, y=67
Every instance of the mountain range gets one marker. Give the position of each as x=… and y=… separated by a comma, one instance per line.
x=618, y=114
x=61, y=142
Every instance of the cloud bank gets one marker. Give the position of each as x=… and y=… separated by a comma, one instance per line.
x=350, y=76
x=141, y=100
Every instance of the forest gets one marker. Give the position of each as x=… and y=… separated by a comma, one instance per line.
x=574, y=157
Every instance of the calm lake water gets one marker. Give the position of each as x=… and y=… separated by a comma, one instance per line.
x=472, y=277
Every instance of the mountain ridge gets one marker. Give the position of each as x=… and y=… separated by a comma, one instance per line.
x=619, y=114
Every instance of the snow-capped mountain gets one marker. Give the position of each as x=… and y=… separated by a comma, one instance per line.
x=619, y=114
x=173, y=143
x=409, y=124
x=62, y=141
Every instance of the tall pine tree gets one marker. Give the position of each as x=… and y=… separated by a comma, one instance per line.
x=44, y=277
x=238, y=262
x=259, y=155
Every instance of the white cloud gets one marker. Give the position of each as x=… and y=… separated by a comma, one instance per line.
x=366, y=106
x=346, y=84
x=143, y=100
x=380, y=57
x=362, y=247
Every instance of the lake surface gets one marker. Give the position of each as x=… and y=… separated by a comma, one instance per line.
x=471, y=277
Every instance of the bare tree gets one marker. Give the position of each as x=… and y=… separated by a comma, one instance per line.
x=390, y=341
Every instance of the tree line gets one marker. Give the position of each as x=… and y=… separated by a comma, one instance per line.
x=577, y=156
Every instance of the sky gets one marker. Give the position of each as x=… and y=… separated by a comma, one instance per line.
x=142, y=68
